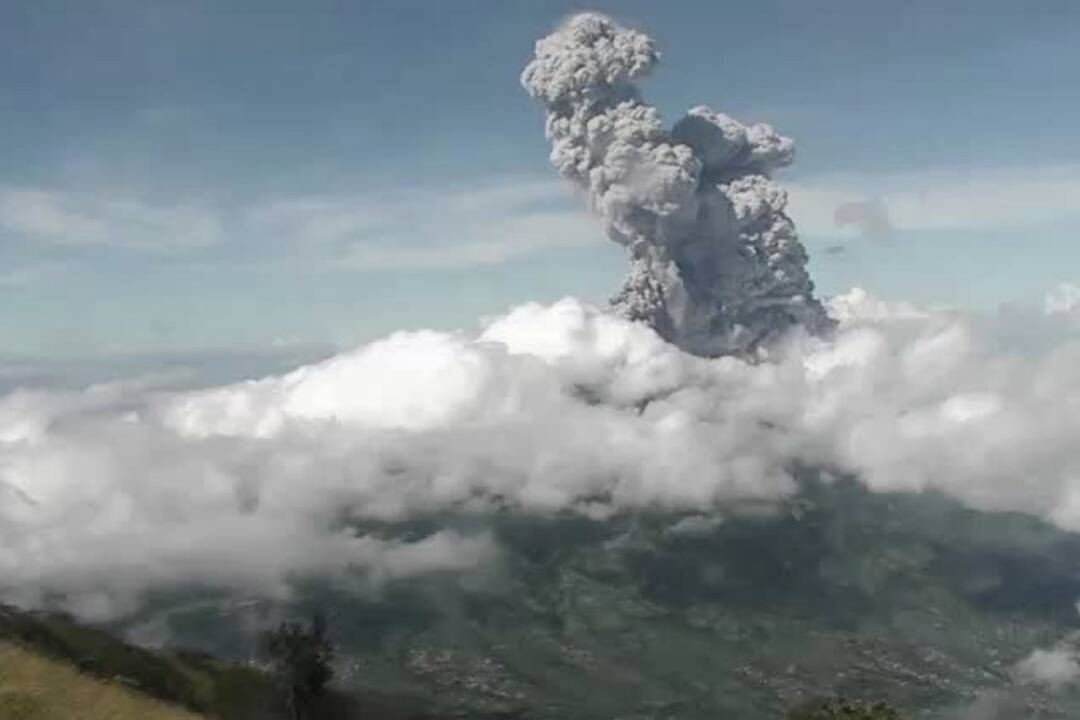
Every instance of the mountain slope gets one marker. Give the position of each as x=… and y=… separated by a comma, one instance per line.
x=741, y=612
x=34, y=687
x=51, y=665
x=738, y=613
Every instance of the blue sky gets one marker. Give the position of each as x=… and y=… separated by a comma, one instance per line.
x=183, y=177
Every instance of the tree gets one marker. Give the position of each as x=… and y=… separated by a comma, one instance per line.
x=843, y=709
x=302, y=657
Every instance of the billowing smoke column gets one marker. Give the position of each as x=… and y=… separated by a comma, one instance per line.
x=717, y=267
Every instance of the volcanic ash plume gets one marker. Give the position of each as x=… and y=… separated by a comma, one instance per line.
x=716, y=265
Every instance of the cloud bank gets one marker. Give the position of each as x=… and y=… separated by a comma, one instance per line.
x=115, y=491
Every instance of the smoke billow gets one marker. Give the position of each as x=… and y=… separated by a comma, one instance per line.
x=716, y=265
x=869, y=217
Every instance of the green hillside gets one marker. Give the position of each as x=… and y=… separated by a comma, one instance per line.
x=50, y=666
x=745, y=613
x=35, y=687
x=37, y=683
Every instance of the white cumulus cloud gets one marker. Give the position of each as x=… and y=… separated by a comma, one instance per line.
x=1055, y=667
x=484, y=223
x=116, y=490
x=1062, y=300
x=68, y=218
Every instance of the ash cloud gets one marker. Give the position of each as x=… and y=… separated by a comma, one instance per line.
x=869, y=217
x=716, y=265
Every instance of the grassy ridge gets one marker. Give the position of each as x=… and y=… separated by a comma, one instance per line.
x=50, y=665
x=99, y=654
x=34, y=687
x=43, y=650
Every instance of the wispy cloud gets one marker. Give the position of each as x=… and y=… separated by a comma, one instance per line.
x=24, y=276
x=406, y=228
x=428, y=228
x=67, y=218
x=846, y=205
